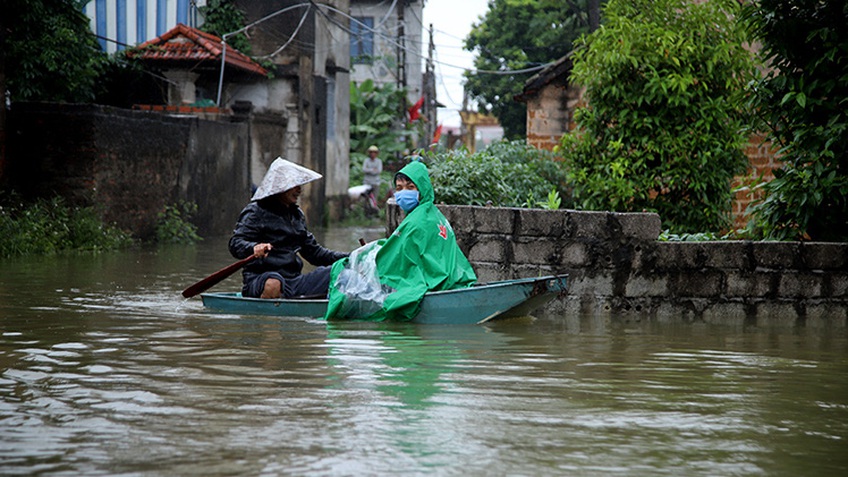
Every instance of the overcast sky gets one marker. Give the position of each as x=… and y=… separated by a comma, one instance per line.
x=451, y=21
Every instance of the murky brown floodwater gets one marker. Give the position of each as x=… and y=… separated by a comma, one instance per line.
x=106, y=370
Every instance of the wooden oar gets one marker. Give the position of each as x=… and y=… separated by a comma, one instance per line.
x=215, y=278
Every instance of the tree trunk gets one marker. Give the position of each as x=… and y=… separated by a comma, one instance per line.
x=594, y=15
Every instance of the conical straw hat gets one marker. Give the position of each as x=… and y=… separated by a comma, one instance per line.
x=282, y=176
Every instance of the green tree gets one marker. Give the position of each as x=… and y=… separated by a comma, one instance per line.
x=663, y=129
x=374, y=119
x=49, y=51
x=221, y=17
x=803, y=103
x=516, y=35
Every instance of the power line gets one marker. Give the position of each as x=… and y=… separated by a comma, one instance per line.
x=414, y=52
x=310, y=3
x=294, y=34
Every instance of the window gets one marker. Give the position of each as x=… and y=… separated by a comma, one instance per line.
x=361, y=39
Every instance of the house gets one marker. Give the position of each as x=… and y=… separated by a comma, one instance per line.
x=121, y=24
x=552, y=100
x=191, y=64
x=296, y=102
x=307, y=48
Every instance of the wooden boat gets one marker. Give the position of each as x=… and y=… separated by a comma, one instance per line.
x=478, y=304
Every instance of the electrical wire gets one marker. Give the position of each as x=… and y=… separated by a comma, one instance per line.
x=294, y=34
x=386, y=16
x=414, y=52
x=389, y=39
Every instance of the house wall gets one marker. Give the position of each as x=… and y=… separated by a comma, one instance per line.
x=309, y=93
x=550, y=114
x=762, y=161
x=129, y=164
x=332, y=62
x=131, y=22
x=617, y=267
x=383, y=69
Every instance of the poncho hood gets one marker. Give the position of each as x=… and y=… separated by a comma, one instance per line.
x=419, y=174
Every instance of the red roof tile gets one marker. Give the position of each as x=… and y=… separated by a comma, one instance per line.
x=184, y=43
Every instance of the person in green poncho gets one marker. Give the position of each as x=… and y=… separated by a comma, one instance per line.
x=386, y=279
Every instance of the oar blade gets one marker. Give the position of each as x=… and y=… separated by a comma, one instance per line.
x=215, y=278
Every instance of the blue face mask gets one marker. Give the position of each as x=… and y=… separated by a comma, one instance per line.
x=407, y=199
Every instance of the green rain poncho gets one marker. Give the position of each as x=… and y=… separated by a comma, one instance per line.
x=386, y=279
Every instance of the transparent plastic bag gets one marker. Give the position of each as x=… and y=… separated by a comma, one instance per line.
x=360, y=283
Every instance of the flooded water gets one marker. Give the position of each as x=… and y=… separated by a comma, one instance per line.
x=106, y=370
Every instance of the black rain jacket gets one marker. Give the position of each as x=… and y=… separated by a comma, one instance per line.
x=285, y=229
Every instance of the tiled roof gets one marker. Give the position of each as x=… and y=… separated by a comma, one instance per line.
x=558, y=70
x=184, y=43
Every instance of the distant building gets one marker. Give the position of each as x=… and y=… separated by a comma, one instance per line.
x=479, y=130
x=299, y=111
x=386, y=43
x=120, y=24
x=551, y=102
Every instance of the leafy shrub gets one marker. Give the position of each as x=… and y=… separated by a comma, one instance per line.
x=664, y=126
x=173, y=225
x=50, y=226
x=506, y=174
x=802, y=103
x=667, y=236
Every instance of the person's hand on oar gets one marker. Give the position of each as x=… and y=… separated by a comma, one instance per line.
x=261, y=250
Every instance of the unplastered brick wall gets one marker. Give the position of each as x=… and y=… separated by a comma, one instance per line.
x=616, y=266
x=762, y=161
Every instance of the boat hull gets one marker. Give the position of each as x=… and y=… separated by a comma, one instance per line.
x=477, y=304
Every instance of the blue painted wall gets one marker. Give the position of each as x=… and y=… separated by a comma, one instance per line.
x=122, y=23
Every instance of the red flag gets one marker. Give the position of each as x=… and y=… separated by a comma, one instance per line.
x=438, y=134
x=415, y=110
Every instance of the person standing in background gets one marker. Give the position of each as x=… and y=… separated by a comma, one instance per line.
x=371, y=169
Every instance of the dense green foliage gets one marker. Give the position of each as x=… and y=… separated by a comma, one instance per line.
x=173, y=224
x=49, y=51
x=803, y=103
x=515, y=35
x=221, y=17
x=47, y=227
x=506, y=174
x=663, y=129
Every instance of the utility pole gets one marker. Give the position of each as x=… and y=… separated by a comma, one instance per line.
x=430, y=103
x=401, y=48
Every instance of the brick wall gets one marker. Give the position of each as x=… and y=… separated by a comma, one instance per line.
x=762, y=158
x=617, y=267
x=550, y=114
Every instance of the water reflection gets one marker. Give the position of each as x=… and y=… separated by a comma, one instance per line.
x=106, y=370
